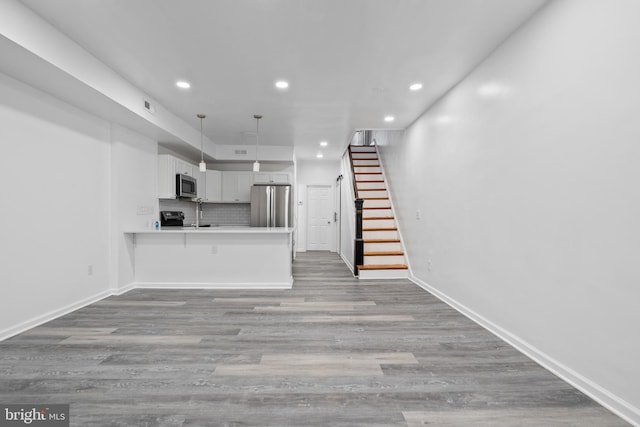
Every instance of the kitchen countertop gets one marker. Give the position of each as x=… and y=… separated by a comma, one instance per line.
x=223, y=229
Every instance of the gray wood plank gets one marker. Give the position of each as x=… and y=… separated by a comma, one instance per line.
x=331, y=351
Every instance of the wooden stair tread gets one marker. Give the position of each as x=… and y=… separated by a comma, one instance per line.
x=377, y=218
x=369, y=180
x=364, y=158
x=374, y=198
x=372, y=189
x=380, y=229
x=368, y=173
x=383, y=267
x=365, y=166
x=381, y=241
x=383, y=253
x=378, y=207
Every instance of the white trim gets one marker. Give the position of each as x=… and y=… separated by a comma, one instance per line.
x=346, y=261
x=47, y=317
x=123, y=290
x=615, y=404
x=213, y=286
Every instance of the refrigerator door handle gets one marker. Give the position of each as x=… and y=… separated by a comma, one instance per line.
x=272, y=208
x=268, y=207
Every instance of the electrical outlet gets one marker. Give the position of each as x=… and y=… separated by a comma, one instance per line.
x=90, y=270
x=214, y=250
x=429, y=264
x=418, y=214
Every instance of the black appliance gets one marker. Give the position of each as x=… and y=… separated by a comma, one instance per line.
x=171, y=218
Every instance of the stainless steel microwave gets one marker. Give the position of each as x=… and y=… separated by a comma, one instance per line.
x=186, y=186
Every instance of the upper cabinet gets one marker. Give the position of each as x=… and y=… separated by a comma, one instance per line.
x=271, y=178
x=185, y=168
x=166, y=177
x=168, y=167
x=212, y=183
x=236, y=186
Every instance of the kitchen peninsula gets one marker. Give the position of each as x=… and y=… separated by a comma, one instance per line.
x=225, y=257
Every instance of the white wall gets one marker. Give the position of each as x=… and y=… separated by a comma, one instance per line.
x=313, y=172
x=76, y=182
x=526, y=177
x=55, y=206
x=134, y=190
x=347, y=211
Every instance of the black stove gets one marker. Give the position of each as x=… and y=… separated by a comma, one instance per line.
x=171, y=218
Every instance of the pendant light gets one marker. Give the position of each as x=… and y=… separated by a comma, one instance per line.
x=203, y=165
x=256, y=165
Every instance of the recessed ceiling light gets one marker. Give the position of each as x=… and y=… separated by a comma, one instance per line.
x=389, y=118
x=324, y=143
x=319, y=155
x=183, y=85
x=281, y=84
x=415, y=86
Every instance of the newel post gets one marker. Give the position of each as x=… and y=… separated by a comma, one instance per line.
x=359, y=242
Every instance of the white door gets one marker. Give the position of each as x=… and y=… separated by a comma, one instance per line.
x=319, y=201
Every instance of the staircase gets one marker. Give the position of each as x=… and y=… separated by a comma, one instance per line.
x=383, y=254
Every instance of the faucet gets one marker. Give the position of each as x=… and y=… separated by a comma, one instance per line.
x=198, y=211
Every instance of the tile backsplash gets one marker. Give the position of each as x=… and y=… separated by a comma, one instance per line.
x=213, y=213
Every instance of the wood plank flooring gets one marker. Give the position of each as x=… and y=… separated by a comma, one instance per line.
x=332, y=351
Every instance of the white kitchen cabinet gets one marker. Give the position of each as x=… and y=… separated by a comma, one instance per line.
x=185, y=168
x=271, y=178
x=166, y=177
x=213, y=186
x=168, y=167
x=236, y=186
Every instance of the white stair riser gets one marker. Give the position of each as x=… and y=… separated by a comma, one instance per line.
x=377, y=223
x=368, y=177
x=380, y=247
x=377, y=213
x=384, y=259
x=357, y=169
x=393, y=234
x=357, y=162
x=369, y=185
x=362, y=149
x=378, y=193
x=376, y=204
x=383, y=274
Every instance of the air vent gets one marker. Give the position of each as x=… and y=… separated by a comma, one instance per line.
x=147, y=106
x=244, y=152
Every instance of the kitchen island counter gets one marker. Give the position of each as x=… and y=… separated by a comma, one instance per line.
x=221, y=257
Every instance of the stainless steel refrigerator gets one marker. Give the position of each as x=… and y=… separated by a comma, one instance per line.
x=271, y=205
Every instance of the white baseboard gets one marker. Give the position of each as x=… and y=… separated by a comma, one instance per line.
x=54, y=314
x=213, y=286
x=123, y=290
x=346, y=261
x=601, y=395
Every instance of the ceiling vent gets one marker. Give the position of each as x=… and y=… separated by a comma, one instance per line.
x=147, y=106
x=243, y=152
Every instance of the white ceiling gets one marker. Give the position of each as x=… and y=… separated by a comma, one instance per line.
x=349, y=62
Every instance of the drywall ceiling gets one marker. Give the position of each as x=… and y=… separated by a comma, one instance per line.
x=349, y=63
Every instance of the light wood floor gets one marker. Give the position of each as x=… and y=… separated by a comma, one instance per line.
x=331, y=352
